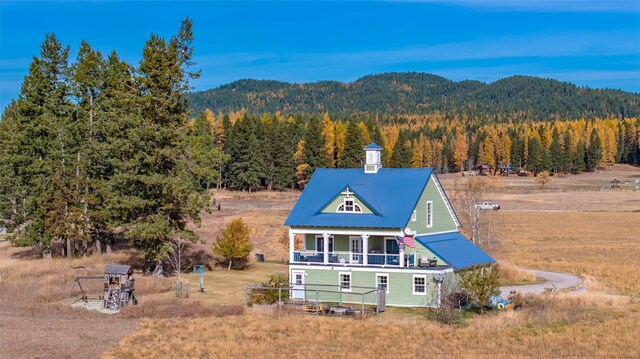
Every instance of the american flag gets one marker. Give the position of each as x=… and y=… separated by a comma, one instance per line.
x=408, y=241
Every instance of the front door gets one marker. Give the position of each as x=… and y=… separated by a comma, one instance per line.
x=297, y=284
x=355, y=247
x=391, y=250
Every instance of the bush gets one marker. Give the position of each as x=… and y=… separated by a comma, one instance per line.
x=270, y=296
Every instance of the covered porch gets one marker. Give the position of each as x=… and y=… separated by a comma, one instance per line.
x=349, y=248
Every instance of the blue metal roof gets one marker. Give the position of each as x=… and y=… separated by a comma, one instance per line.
x=373, y=146
x=391, y=193
x=455, y=249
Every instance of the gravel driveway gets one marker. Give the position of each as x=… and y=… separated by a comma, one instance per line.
x=560, y=280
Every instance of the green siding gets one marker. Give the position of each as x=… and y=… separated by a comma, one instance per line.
x=442, y=219
x=400, y=286
x=333, y=206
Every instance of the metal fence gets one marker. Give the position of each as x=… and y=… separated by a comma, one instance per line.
x=322, y=293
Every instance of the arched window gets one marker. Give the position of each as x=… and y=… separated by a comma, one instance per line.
x=349, y=206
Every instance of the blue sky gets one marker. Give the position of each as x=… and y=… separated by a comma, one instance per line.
x=590, y=43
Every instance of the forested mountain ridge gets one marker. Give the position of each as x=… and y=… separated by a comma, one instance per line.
x=515, y=97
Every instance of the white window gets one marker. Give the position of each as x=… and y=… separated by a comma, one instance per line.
x=429, y=214
x=414, y=216
x=382, y=281
x=419, y=284
x=349, y=206
x=345, y=281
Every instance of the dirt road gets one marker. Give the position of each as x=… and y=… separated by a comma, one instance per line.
x=560, y=280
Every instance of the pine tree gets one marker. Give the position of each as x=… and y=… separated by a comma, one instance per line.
x=555, y=152
x=567, y=153
x=594, y=152
x=284, y=146
x=314, y=153
x=401, y=157
x=580, y=164
x=155, y=192
x=354, y=142
x=246, y=162
x=41, y=122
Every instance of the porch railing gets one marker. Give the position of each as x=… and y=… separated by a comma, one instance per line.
x=347, y=258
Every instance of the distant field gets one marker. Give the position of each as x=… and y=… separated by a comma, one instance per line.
x=601, y=244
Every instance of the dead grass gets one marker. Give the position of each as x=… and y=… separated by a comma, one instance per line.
x=546, y=329
x=176, y=308
x=511, y=274
x=603, y=246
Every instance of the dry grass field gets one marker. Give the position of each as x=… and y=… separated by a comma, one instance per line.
x=595, y=235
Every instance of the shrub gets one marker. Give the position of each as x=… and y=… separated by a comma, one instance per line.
x=270, y=296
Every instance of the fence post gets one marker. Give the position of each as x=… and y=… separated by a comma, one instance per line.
x=317, y=303
x=279, y=297
x=245, y=296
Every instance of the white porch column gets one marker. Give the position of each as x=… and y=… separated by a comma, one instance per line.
x=401, y=254
x=326, y=247
x=365, y=249
x=292, y=245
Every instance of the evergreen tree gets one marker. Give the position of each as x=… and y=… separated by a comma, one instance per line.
x=555, y=152
x=567, y=155
x=246, y=163
x=155, y=191
x=314, y=153
x=401, y=152
x=354, y=142
x=580, y=164
x=42, y=150
x=594, y=152
x=204, y=154
x=284, y=146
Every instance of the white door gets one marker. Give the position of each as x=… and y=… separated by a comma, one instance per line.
x=355, y=247
x=297, y=284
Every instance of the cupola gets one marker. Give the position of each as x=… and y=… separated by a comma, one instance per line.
x=372, y=155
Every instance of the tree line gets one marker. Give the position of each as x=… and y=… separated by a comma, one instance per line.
x=97, y=149
x=513, y=98
x=277, y=152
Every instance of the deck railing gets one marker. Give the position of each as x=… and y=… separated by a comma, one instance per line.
x=347, y=258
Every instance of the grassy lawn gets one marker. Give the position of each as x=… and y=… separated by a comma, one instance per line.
x=227, y=287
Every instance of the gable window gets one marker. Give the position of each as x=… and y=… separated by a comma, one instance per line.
x=414, y=216
x=429, y=214
x=382, y=282
x=419, y=284
x=349, y=206
x=345, y=281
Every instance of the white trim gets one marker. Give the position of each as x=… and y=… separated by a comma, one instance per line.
x=293, y=283
x=359, y=259
x=414, y=216
x=348, y=232
x=382, y=275
x=446, y=202
x=413, y=284
x=340, y=274
x=429, y=214
x=340, y=267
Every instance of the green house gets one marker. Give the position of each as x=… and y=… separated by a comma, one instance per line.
x=387, y=228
